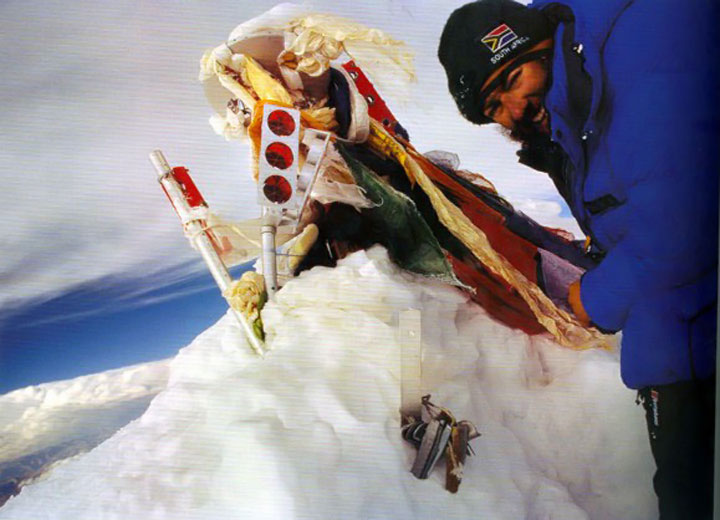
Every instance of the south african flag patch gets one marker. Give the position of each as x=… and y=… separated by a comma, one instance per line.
x=499, y=37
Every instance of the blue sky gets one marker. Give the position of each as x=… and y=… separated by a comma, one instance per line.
x=94, y=261
x=95, y=328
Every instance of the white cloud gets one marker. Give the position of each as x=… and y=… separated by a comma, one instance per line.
x=35, y=417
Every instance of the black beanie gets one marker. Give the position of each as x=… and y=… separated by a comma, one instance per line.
x=478, y=39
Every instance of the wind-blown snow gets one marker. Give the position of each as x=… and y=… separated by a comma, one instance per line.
x=313, y=430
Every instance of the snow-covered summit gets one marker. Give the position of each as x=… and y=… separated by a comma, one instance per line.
x=313, y=429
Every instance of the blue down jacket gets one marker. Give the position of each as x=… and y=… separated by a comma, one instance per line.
x=643, y=175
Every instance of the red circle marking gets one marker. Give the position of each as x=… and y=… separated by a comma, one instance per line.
x=277, y=189
x=279, y=155
x=281, y=123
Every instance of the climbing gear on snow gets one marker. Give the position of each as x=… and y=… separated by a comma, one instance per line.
x=437, y=433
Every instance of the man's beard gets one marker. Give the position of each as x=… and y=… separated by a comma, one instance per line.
x=526, y=130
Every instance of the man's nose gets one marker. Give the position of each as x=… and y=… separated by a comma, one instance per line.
x=515, y=106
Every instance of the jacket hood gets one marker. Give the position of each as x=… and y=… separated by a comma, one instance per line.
x=591, y=31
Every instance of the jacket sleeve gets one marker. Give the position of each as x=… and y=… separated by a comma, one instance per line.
x=660, y=128
x=666, y=244
x=665, y=232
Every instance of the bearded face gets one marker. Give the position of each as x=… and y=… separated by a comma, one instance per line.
x=517, y=103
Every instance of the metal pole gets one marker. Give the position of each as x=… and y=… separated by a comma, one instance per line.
x=160, y=163
x=269, y=260
x=199, y=237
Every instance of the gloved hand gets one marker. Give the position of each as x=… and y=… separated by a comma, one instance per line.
x=576, y=304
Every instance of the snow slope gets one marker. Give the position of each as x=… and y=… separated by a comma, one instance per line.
x=312, y=430
x=53, y=421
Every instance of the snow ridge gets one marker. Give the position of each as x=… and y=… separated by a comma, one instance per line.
x=313, y=431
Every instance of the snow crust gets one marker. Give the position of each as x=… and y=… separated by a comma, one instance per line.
x=313, y=429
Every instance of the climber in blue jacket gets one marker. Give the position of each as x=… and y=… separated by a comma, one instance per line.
x=617, y=101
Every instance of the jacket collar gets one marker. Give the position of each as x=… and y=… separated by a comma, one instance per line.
x=593, y=22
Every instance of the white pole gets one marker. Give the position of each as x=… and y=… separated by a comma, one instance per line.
x=410, y=327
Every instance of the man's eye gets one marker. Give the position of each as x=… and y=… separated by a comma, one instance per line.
x=491, y=108
x=511, y=80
